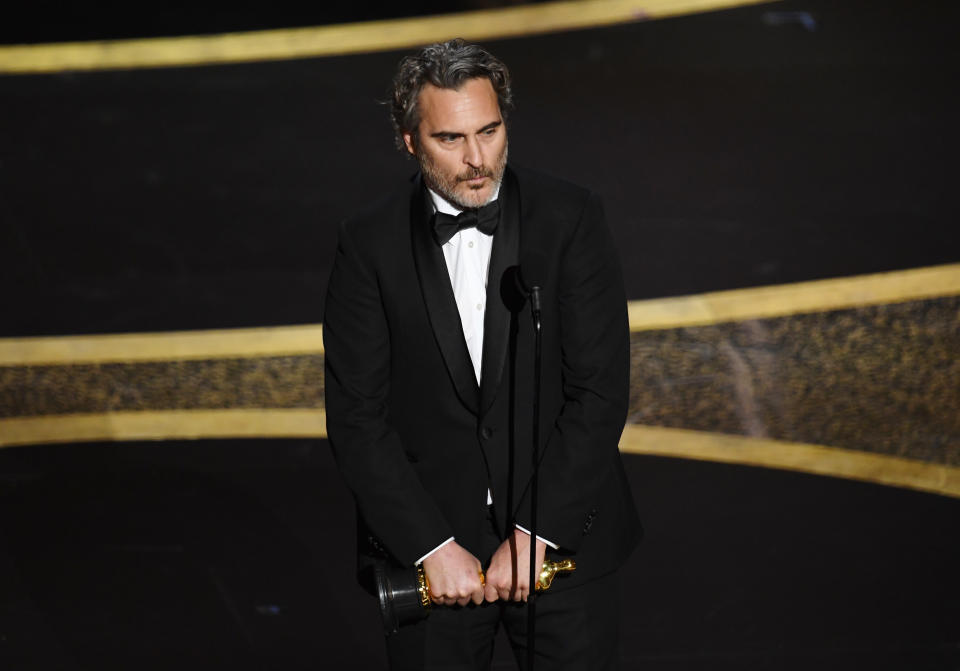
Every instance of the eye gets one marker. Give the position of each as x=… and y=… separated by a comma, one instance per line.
x=449, y=139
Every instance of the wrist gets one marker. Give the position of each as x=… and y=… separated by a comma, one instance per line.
x=543, y=540
x=444, y=544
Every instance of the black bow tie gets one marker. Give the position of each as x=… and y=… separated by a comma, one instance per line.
x=484, y=219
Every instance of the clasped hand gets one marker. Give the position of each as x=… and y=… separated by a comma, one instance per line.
x=456, y=576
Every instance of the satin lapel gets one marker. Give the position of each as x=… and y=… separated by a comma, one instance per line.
x=496, y=322
x=439, y=299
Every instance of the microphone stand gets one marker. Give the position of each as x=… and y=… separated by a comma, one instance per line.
x=534, y=569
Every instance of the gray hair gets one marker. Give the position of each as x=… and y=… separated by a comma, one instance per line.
x=446, y=65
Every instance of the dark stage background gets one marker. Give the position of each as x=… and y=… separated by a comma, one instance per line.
x=729, y=153
x=732, y=149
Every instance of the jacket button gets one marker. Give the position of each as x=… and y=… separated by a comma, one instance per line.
x=486, y=432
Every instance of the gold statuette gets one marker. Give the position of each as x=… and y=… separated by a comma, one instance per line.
x=549, y=571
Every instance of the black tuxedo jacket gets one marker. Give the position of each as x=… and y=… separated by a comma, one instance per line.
x=419, y=441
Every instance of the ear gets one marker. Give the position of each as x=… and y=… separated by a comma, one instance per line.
x=408, y=141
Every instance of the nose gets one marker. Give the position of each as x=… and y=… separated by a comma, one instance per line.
x=472, y=155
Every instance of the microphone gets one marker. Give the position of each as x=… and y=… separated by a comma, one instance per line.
x=530, y=276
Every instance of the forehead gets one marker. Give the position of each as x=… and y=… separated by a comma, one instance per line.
x=467, y=108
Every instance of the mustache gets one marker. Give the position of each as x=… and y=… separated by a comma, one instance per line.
x=473, y=173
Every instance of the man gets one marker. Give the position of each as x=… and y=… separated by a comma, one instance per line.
x=429, y=364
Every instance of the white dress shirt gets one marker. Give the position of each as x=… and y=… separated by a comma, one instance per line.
x=468, y=261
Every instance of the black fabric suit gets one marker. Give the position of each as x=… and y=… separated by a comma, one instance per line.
x=419, y=442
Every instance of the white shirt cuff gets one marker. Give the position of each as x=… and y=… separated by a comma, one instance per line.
x=539, y=538
x=420, y=561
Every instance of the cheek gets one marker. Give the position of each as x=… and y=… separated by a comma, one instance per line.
x=449, y=164
x=494, y=156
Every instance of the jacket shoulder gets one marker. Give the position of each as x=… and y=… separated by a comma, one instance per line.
x=387, y=215
x=536, y=183
x=560, y=199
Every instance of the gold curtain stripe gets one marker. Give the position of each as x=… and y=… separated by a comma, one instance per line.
x=168, y=346
x=662, y=313
x=816, y=459
x=164, y=425
x=636, y=439
x=789, y=299
x=344, y=38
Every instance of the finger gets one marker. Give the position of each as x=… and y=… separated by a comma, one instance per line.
x=478, y=596
x=463, y=601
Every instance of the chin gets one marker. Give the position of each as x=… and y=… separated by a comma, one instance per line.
x=476, y=198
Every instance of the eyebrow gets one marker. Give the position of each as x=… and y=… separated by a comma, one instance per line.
x=447, y=133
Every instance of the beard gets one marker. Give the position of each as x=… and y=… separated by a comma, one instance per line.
x=450, y=185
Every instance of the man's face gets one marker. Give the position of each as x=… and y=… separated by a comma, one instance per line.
x=461, y=143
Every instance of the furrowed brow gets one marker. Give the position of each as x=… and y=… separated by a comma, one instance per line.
x=450, y=133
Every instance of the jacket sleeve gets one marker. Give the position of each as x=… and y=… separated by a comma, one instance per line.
x=579, y=459
x=368, y=451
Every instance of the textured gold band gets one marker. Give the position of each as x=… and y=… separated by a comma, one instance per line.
x=348, y=38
